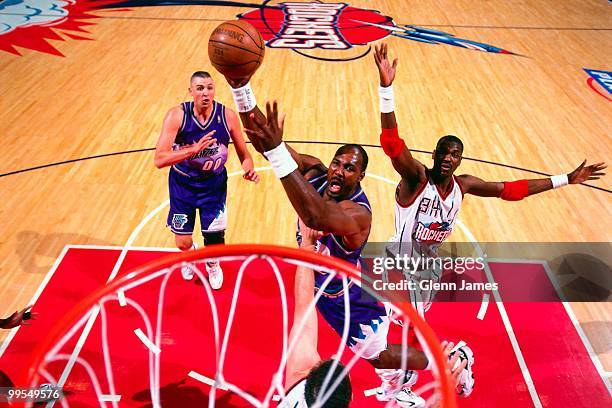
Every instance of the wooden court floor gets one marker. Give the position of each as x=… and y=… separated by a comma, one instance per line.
x=103, y=87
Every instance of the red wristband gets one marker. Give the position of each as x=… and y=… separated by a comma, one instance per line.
x=515, y=190
x=391, y=143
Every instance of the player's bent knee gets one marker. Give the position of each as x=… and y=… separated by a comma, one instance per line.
x=184, y=242
x=213, y=237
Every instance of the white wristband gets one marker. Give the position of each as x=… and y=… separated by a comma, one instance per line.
x=559, y=181
x=244, y=98
x=281, y=160
x=387, y=102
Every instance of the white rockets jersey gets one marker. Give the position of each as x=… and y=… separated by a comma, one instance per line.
x=295, y=397
x=422, y=225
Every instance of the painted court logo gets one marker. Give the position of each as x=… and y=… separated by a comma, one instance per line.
x=299, y=26
x=603, y=78
x=334, y=26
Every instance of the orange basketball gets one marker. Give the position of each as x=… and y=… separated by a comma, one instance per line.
x=236, y=49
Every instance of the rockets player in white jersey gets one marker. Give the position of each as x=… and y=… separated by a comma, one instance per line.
x=428, y=200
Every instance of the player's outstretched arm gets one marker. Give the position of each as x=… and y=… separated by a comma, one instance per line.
x=164, y=155
x=246, y=160
x=304, y=355
x=411, y=170
x=344, y=218
x=519, y=189
x=249, y=112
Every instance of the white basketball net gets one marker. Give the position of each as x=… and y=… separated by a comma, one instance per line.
x=109, y=393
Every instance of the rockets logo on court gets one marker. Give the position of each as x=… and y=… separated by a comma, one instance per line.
x=340, y=26
x=308, y=25
x=432, y=232
x=179, y=221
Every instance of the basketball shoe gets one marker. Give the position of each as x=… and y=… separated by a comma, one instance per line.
x=215, y=274
x=187, y=271
x=466, y=378
x=396, y=385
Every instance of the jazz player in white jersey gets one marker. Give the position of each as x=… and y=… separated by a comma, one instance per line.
x=428, y=200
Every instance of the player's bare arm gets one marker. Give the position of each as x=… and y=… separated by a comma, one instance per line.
x=164, y=155
x=304, y=355
x=307, y=164
x=411, y=170
x=344, y=218
x=517, y=190
x=246, y=160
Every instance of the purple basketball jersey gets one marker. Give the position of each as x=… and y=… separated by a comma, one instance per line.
x=331, y=244
x=210, y=161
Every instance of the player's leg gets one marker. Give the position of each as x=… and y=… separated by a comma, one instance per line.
x=368, y=329
x=213, y=219
x=181, y=217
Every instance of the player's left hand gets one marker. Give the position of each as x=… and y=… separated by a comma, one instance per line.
x=269, y=132
x=18, y=318
x=386, y=68
x=251, y=175
x=309, y=235
x=584, y=173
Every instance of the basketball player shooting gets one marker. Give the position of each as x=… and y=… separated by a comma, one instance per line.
x=428, y=200
x=332, y=200
x=194, y=141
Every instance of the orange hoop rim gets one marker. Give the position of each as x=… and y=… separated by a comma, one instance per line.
x=30, y=374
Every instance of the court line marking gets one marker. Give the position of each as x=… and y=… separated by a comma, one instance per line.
x=209, y=381
x=109, y=398
x=483, y=306
x=146, y=341
x=570, y=313
x=37, y=294
x=504, y=316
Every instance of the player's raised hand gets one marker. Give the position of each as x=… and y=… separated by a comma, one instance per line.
x=309, y=235
x=584, y=172
x=386, y=69
x=268, y=132
x=238, y=82
x=18, y=318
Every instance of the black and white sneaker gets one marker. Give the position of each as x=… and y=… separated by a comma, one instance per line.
x=466, y=378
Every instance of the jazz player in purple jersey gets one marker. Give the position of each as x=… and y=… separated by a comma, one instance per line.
x=330, y=200
x=428, y=200
x=194, y=141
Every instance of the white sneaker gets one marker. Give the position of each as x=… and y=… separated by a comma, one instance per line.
x=188, y=271
x=215, y=274
x=393, y=380
x=407, y=398
x=466, y=378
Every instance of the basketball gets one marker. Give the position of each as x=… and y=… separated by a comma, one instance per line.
x=236, y=49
